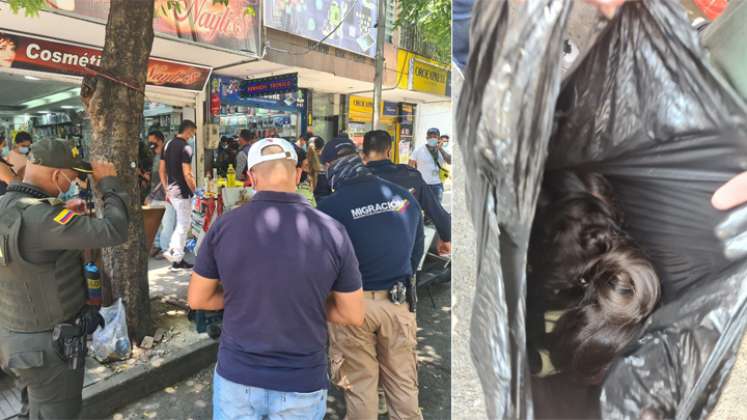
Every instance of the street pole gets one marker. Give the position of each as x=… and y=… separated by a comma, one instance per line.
x=379, y=77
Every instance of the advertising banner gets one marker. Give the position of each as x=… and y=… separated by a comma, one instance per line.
x=233, y=27
x=230, y=92
x=284, y=83
x=317, y=19
x=22, y=52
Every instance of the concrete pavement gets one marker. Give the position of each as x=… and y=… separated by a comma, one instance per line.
x=192, y=398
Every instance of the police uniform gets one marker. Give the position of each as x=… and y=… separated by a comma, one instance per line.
x=41, y=279
x=409, y=178
x=385, y=225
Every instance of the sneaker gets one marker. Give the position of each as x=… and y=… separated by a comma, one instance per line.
x=182, y=265
x=168, y=254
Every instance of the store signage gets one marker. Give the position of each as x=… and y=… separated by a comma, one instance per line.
x=274, y=85
x=422, y=74
x=317, y=20
x=230, y=92
x=407, y=112
x=41, y=55
x=235, y=26
x=361, y=109
x=390, y=109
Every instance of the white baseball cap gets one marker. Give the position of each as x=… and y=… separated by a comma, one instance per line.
x=255, y=156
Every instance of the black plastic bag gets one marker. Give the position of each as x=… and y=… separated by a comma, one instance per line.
x=647, y=110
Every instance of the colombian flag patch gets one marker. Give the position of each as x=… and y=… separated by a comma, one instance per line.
x=64, y=217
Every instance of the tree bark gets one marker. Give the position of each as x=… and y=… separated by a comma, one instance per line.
x=115, y=110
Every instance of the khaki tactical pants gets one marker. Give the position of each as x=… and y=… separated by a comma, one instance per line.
x=54, y=391
x=382, y=351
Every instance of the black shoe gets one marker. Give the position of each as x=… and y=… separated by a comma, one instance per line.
x=182, y=265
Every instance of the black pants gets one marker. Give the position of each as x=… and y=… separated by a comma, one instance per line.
x=54, y=391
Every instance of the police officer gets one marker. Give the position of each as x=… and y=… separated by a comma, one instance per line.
x=385, y=224
x=377, y=148
x=42, y=287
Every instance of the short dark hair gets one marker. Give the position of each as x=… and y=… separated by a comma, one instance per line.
x=157, y=134
x=22, y=136
x=186, y=124
x=318, y=143
x=446, y=136
x=246, y=135
x=376, y=141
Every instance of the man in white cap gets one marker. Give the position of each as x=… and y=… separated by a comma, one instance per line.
x=301, y=273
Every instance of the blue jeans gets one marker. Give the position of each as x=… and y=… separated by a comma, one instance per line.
x=232, y=401
x=438, y=191
x=168, y=222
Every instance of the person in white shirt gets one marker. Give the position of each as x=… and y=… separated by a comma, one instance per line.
x=429, y=159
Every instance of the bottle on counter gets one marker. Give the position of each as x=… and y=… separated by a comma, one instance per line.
x=231, y=176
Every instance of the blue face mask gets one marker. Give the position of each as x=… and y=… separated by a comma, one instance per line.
x=23, y=150
x=71, y=192
x=432, y=142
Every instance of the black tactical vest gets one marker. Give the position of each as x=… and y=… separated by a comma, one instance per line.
x=35, y=297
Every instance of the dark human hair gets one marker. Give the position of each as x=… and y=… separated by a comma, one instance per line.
x=22, y=136
x=318, y=143
x=587, y=266
x=187, y=124
x=157, y=134
x=622, y=289
x=445, y=136
x=246, y=135
x=376, y=141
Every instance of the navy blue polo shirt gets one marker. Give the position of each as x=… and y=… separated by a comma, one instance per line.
x=385, y=223
x=409, y=178
x=278, y=259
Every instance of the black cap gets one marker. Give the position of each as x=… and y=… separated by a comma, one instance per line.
x=337, y=148
x=57, y=154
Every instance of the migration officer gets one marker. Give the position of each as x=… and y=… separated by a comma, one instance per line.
x=385, y=224
x=42, y=288
x=377, y=149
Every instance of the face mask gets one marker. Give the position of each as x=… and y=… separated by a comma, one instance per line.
x=64, y=195
x=432, y=142
x=23, y=150
x=152, y=146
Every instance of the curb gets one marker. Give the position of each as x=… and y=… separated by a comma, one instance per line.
x=104, y=398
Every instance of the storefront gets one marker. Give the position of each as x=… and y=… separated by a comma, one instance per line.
x=268, y=107
x=360, y=117
x=430, y=80
x=41, y=87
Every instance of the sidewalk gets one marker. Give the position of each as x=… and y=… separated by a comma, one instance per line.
x=178, y=370
x=192, y=397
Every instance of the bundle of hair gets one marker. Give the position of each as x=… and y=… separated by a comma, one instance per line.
x=584, y=264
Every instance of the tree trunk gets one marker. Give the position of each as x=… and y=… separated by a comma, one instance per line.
x=115, y=110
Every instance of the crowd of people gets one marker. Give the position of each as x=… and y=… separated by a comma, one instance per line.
x=328, y=294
